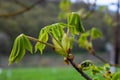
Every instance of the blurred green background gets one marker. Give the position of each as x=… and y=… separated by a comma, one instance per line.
x=41, y=67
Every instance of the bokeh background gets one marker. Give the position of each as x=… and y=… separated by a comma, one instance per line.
x=44, y=13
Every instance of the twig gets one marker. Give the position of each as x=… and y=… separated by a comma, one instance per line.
x=25, y=9
x=20, y=3
x=92, y=51
x=36, y=40
x=79, y=70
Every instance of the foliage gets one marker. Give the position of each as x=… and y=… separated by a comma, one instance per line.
x=74, y=20
x=63, y=35
x=60, y=39
x=21, y=44
x=65, y=6
x=32, y=21
x=29, y=22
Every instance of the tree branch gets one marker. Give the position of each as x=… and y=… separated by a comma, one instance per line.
x=20, y=3
x=92, y=51
x=25, y=9
x=79, y=70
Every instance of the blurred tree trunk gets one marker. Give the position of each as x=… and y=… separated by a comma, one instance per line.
x=116, y=35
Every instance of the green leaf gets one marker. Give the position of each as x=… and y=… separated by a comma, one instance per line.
x=71, y=42
x=83, y=41
x=27, y=44
x=116, y=76
x=107, y=67
x=43, y=36
x=95, y=79
x=95, y=33
x=62, y=47
x=57, y=31
x=108, y=19
x=21, y=43
x=65, y=5
x=75, y=22
x=22, y=50
x=86, y=65
x=66, y=42
x=15, y=50
x=18, y=50
x=58, y=49
x=95, y=71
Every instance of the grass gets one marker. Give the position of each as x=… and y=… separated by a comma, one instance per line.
x=40, y=74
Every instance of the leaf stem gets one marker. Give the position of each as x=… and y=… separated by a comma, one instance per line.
x=37, y=40
x=79, y=70
x=92, y=51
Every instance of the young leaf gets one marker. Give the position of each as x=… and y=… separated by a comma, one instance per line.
x=22, y=50
x=27, y=44
x=95, y=70
x=108, y=19
x=74, y=20
x=107, y=67
x=116, y=76
x=66, y=42
x=18, y=50
x=86, y=65
x=58, y=48
x=57, y=31
x=62, y=47
x=71, y=42
x=95, y=33
x=65, y=5
x=21, y=43
x=15, y=50
x=83, y=41
x=43, y=36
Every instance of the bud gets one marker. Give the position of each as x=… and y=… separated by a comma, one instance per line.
x=65, y=42
x=71, y=57
x=66, y=61
x=85, y=65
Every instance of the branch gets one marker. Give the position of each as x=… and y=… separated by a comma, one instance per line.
x=70, y=60
x=79, y=70
x=25, y=9
x=36, y=40
x=92, y=51
x=20, y=3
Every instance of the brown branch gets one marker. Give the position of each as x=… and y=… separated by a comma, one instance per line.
x=92, y=52
x=20, y=3
x=25, y=9
x=79, y=70
x=116, y=34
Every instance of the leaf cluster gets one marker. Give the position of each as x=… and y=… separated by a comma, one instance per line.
x=62, y=35
x=61, y=40
x=21, y=44
x=85, y=39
